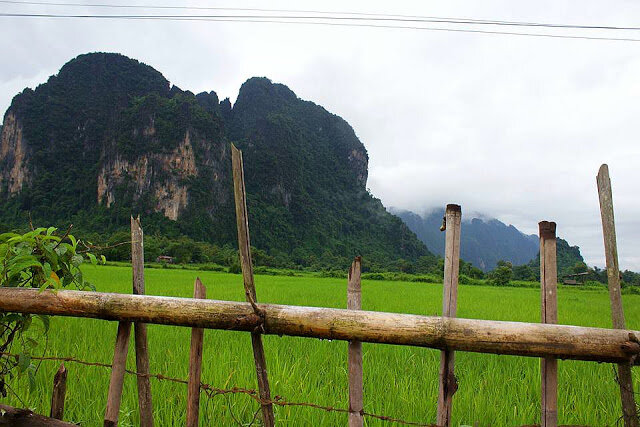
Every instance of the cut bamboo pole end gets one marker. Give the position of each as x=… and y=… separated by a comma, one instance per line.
x=59, y=393
x=117, y=374
x=448, y=384
x=195, y=364
x=549, y=309
x=354, y=302
x=244, y=246
x=140, y=329
x=625, y=380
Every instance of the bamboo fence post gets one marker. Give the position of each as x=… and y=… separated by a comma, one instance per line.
x=59, y=392
x=548, y=291
x=117, y=374
x=354, y=302
x=140, y=329
x=629, y=410
x=244, y=246
x=448, y=383
x=195, y=364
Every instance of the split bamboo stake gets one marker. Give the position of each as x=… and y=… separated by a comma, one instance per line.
x=140, y=329
x=117, y=374
x=548, y=291
x=59, y=392
x=195, y=364
x=244, y=245
x=448, y=383
x=354, y=302
x=629, y=410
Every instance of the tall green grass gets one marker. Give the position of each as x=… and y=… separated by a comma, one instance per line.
x=398, y=381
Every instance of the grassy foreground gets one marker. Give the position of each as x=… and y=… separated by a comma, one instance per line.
x=399, y=381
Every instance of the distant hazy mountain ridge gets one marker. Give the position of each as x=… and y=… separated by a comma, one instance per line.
x=483, y=242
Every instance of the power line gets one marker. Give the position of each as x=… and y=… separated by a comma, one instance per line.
x=354, y=15
x=291, y=20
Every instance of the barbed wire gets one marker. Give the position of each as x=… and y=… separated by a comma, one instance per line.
x=212, y=391
x=625, y=387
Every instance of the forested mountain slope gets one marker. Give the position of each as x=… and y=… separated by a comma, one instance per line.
x=109, y=136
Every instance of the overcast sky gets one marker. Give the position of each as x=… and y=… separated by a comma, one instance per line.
x=512, y=127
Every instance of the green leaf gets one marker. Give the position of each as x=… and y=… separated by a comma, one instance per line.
x=46, y=269
x=45, y=321
x=74, y=242
x=31, y=373
x=24, y=360
x=26, y=324
x=51, y=230
x=7, y=236
x=103, y=259
x=21, y=259
x=76, y=260
x=12, y=317
x=93, y=259
x=31, y=343
x=66, y=280
x=79, y=278
x=16, y=238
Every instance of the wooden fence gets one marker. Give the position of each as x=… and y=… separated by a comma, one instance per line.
x=547, y=340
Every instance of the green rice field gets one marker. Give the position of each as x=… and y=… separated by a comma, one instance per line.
x=399, y=382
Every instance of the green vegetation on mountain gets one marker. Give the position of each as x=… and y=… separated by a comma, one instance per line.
x=567, y=257
x=108, y=136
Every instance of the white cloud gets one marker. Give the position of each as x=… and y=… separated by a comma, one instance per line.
x=513, y=127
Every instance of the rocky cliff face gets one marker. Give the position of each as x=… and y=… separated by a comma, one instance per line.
x=359, y=162
x=13, y=156
x=108, y=137
x=161, y=175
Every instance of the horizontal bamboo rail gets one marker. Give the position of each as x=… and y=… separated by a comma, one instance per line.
x=483, y=336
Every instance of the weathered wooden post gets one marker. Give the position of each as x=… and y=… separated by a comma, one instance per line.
x=140, y=329
x=629, y=410
x=118, y=368
x=548, y=291
x=448, y=383
x=244, y=245
x=195, y=364
x=59, y=392
x=16, y=417
x=354, y=302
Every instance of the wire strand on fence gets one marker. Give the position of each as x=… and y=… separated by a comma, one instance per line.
x=212, y=391
x=617, y=380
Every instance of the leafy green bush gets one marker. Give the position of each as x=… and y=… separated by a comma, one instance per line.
x=594, y=284
x=501, y=275
x=235, y=268
x=39, y=259
x=466, y=280
x=373, y=276
x=212, y=267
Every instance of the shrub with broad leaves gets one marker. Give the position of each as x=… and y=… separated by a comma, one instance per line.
x=42, y=259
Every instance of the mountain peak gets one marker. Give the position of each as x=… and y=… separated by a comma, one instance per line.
x=114, y=72
x=131, y=144
x=484, y=240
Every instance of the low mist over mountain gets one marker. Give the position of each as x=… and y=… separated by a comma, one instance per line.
x=109, y=136
x=483, y=242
